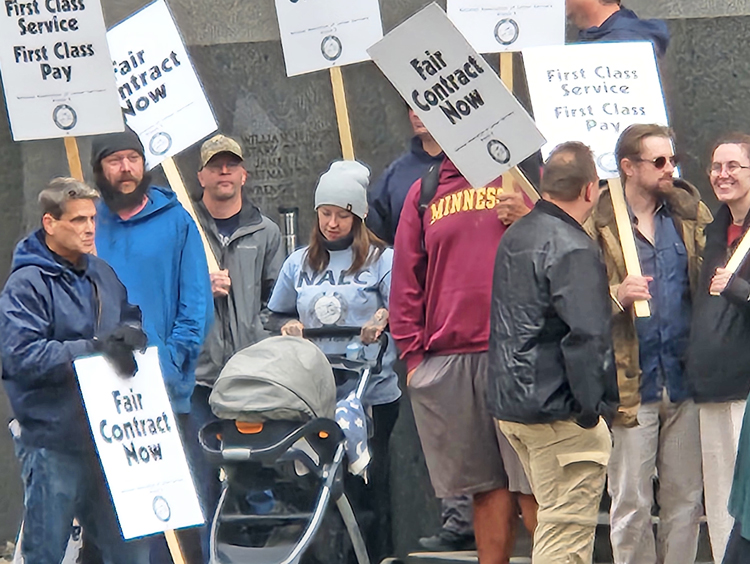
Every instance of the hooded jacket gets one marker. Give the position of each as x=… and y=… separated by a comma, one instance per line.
x=253, y=255
x=159, y=256
x=690, y=216
x=389, y=193
x=50, y=313
x=719, y=355
x=551, y=339
x=442, y=269
x=624, y=25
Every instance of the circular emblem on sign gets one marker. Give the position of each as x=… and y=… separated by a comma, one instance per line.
x=64, y=117
x=160, y=143
x=607, y=161
x=328, y=309
x=331, y=47
x=506, y=31
x=161, y=509
x=498, y=151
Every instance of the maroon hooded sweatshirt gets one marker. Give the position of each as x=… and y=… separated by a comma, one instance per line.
x=441, y=291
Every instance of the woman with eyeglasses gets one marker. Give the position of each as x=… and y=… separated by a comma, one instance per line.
x=719, y=354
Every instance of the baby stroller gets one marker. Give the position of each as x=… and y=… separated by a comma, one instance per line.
x=282, y=454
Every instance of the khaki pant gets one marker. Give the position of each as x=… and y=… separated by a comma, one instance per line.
x=566, y=466
x=720, y=436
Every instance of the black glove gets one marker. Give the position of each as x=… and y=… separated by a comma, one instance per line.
x=119, y=345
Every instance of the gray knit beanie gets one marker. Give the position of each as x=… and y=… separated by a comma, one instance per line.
x=344, y=184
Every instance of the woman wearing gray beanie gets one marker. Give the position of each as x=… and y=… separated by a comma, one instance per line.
x=343, y=278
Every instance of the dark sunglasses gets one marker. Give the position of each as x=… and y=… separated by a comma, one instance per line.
x=660, y=162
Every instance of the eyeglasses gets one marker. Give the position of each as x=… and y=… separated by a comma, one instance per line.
x=660, y=162
x=219, y=166
x=732, y=167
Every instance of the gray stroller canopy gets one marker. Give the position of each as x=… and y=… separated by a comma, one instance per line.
x=279, y=378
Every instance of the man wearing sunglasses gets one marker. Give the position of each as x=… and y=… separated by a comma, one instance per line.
x=719, y=361
x=656, y=430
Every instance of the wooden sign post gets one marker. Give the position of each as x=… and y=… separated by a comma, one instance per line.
x=74, y=158
x=342, y=113
x=514, y=175
x=627, y=240
x=178, y=186
x=738, y=256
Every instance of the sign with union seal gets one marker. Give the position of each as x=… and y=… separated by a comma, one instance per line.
x=139, y=446
x=56, y=69
x=157, y=87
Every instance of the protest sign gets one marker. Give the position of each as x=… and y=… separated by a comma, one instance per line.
x=56, y=69
x=592, y=92
x=493, y=26
x=462, y=102
x=160, y=93
x=139, y=446
x=320, y=34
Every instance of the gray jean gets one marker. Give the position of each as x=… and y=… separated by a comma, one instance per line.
x=457, y=515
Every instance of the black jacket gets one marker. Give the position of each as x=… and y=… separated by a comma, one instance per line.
x=551, y=355
x=719, y=352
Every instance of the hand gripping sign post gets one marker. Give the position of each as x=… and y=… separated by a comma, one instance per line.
x=139, y=447
x=328, y=34
x=478, y=123
x=591, y=93
x=160, y=94
x=55, y=70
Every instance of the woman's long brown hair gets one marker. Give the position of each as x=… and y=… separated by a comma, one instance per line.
x=318, y=257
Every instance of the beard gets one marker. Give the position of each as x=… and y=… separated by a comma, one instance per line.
x=115, y=200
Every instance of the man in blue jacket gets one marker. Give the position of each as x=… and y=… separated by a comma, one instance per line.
x=608, y=20
x=61, y=303
x=155, y=248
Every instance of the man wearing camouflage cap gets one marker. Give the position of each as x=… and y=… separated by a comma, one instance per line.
x=248, y=248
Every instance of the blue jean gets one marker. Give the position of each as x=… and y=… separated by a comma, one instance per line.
x=60, y=486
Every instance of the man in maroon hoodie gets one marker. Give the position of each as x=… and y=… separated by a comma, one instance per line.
x=440, y=302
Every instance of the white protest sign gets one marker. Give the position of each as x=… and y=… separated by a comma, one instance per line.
x=591, y=92
x=158, y=89
x=139, y=446
x=462, y=102
x=320, y=34
x=493, y=26
x=56, y=69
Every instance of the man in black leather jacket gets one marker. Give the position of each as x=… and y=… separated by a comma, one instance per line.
x=552, y=374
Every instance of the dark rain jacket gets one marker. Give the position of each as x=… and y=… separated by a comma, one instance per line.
x=50, y=312
x=719, y=352
x=624, y=25
x=253, y=255
x=551, y=355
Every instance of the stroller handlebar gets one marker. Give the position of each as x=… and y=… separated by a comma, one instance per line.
x=349, y=332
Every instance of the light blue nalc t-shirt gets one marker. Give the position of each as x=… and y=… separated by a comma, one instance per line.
x=333, y=298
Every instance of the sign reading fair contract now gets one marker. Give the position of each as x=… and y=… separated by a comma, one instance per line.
x=320, y=34
x=457, y=95
x=591, y=92
x=493, y=26
x=55, y=69
x=139, y=446
x=157, y=87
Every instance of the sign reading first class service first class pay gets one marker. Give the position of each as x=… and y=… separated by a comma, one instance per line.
x=158, y=89
x=460, y=99
x=493, y=26
x=55, y=69
x=139, y=446
x=591, y=92
x=320, y=34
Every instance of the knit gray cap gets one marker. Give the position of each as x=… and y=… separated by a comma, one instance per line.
x=344, y=184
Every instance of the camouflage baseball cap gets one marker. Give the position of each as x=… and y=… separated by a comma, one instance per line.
x=219, y=144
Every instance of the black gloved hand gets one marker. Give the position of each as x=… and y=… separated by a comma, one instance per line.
x=119, y=345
